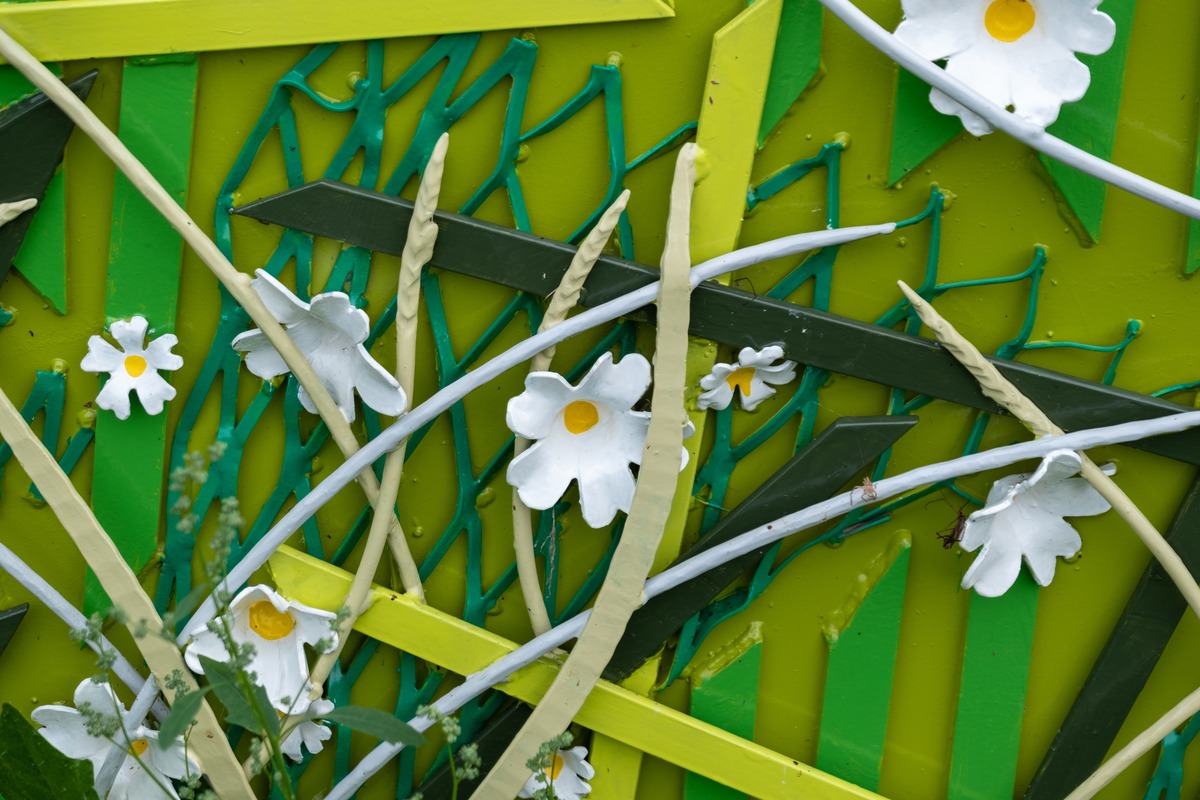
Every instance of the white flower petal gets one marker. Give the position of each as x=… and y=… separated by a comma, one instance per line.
x=101, y=356
x=279, y=300
x=376, y=386
x=759, y=391
x=158, y=353
x=114, y=396
x=335, y=310
x=1078, y=26
x=605, y=488
x=153, y=391
x=130, y=334
x=532, y=413
x=1051, y=539
x=618, y=385
x=717, y=398
x=717, y=378
x=996, y=567
x=1040, y=88
x=262, y=359
x=936, y=39
x=541, y=475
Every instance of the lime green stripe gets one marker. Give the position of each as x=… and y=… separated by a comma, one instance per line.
x=1091, y=123
x=796, y=62
x=157, y=108
x=991, y=703
x=858, y=682
x=725, y=694
x=1193, y=242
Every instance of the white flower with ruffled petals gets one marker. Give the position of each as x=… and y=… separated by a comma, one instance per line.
x=586, y=433
x=132, y=368
x=1018, y=53
x=145, y=776
x=330, y=332
x=750, y=377
x=278, y=629
x=310, y=733
x=1023, y=519
x=568, y=775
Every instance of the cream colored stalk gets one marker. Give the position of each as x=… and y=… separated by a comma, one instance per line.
x=564, y=299
x=622, y=591
x=237, y=283
x=1000, y=389
x=208, y=741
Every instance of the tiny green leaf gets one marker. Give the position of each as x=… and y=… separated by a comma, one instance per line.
x=188, y=604
x=30, y=767
x=239, y=709
x=183, y=714
x=379, y=724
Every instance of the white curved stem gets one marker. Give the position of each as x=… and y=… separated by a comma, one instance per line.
x=999, y=118
x=501, y=669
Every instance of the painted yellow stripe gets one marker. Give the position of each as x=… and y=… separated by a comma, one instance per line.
x=637, y=721
x=66, y=30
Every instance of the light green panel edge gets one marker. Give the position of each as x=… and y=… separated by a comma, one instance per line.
x=145, y=254
x=862, y=639
x=725, y=694
x=991, y=702
x=42, y=259
x=796, y=63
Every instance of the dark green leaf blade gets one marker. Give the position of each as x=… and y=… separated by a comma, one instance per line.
x=183, y=714
x=32, y=769
x=379, y=724
x=239, y=709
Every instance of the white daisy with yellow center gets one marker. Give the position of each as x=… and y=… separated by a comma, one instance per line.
x=587, y=433
x=330, y=333
x=750, y=377
x=133, y=368
x=1016, y=53
x=140, y=777
x=279, y=629
x=568, y=775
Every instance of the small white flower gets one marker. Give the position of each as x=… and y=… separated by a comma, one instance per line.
x=568, y=775
x=133, y=367
x=1018, y=53
x=587, y=433
x=330, y=333
x=311, y=734
x=138, y=778
x=749, y=376
x=1023, y=518
x=278, y=629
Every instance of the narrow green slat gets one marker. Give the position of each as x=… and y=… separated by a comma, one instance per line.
x=918, y=129
x=796, y=61
x=858, y=681
x=1193, y=243
x=991, y=703
x=725, y=694
x=157, y=108
x=1091, y=123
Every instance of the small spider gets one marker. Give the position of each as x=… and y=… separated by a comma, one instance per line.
x=868, y=490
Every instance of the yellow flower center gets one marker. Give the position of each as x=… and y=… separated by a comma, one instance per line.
x=740, y=379
x=1009, y=20
x=555, y=769
x=269, y=623
x=138, y=746
x=580, y=416
x=135, y=366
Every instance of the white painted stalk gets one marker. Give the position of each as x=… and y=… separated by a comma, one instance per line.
x=1000, y=119
x=760, y=537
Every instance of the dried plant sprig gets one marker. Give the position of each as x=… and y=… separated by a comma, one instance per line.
x=998, y=388
x=565, y=297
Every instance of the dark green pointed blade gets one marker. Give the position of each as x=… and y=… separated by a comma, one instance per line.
x=33, y=134
x=521, y=260
x=840, y=453
x=492, y=740
x=1124, y=665
x=10, y=618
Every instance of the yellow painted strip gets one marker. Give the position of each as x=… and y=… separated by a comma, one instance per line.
x=637, y=721
x=66, y=30
x=735, y=91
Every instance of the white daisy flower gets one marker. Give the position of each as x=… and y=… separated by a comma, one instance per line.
x=1018, y=53
x=133, y=367
x=1023, y=519
x=310, y=733
x=138, y=778
x=278, y=629
x=568, y=775
x=749, y=376
x=330, y=332
x=586, y=433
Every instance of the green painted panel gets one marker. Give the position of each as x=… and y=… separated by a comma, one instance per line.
x=145, y=255
x=1192, y=261
x=1091, y=123
x=725, y=694
x=991, y=702
x=858, y=680
x=796, y=62
x=918, y=129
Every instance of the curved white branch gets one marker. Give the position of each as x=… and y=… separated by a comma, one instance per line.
x=999, y=118
x=501, y=669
